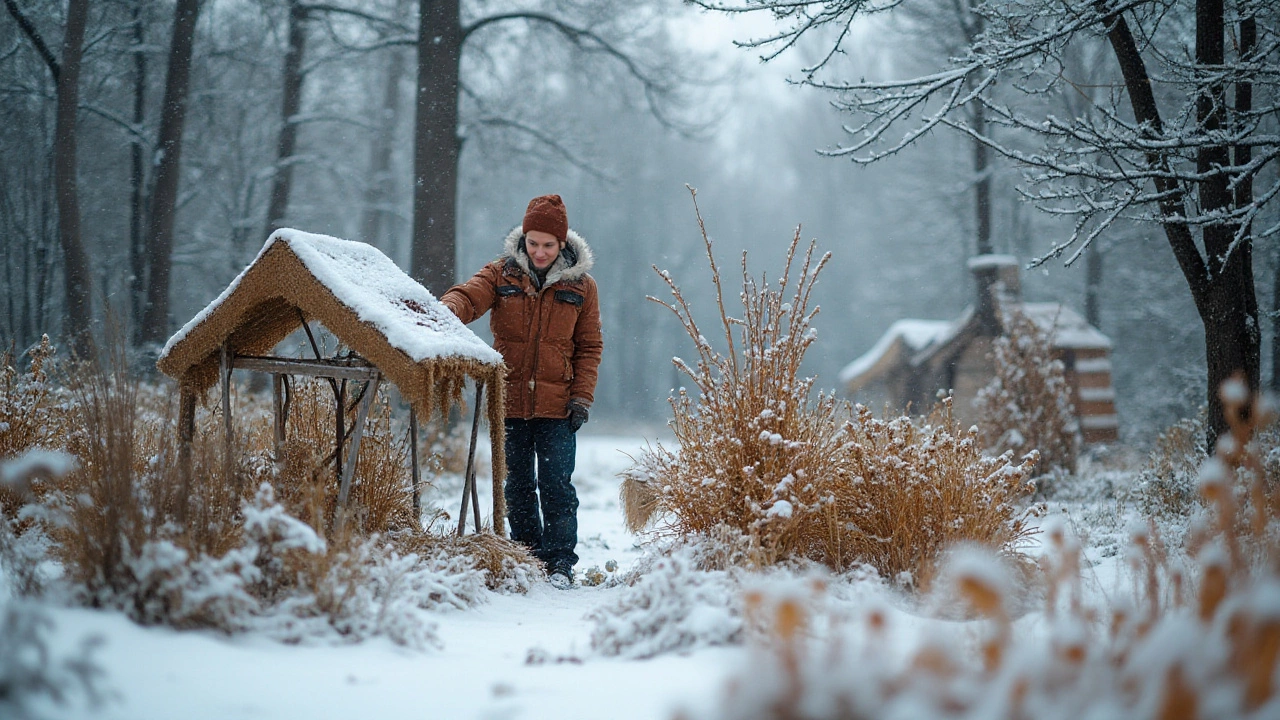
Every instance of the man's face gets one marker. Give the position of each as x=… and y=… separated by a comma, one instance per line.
x=542, y=247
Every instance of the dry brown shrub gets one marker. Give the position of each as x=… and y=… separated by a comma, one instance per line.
x=914, y=490
x=1027, y=405
x=1167, y=484
x=1201, y=640
x=306, y=480
x=31, y=412
x=798, y=477
x=29, y=415
x=127, y=490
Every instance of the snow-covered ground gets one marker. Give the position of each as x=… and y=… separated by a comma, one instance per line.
x=515, y=656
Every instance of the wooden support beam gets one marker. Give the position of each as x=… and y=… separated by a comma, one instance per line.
x=308, y=368
x=413, y=461
x=186, y=436
x=339, y=430
x=277, y=406
x=469, y=480
x=228, y=462
x=370, y=391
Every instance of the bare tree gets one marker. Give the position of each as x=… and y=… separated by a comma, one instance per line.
x=138, y=171
x=66, y=75
x=292, y=102
x=1180, y=143
x=442, y=39
x=376, y=224
x=168, y=166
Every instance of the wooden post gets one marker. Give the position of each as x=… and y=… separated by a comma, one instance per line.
x=471, y=456
x=228, y=463
x=413, y=458
x=340, y=403
x=370, y=390
x=277, y=405
x=469, y=480
x=186, y=436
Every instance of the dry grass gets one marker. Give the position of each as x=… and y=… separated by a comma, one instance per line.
x=1167, y=483
x=915, y=490
x=212, y=547
x=1200, y=639
x=507, y=564
x=801, y=477
x=127, y=491
x=32, y=414
x=29, y=415
x=1027, y=405
x=306, y=481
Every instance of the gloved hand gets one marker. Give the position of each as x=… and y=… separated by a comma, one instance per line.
x=578, y=414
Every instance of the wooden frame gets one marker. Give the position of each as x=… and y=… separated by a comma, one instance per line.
x=334, y=369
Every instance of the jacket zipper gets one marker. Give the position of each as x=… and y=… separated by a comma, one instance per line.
x=537, y=350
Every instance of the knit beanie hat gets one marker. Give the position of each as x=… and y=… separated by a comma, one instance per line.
x=546, y=213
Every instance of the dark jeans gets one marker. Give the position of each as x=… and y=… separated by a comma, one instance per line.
x=552, y=534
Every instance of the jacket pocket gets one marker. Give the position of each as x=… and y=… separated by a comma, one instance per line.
x=567, y=359
x=569, y=296
x=510, y=314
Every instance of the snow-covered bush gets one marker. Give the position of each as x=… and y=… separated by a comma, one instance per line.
x=33, y=675
x=32, y=411
x=23, y=541
x=800, y=477
x=675, y=604
x=1198, y=640
x=1167, y=486
x=33, y=415
x=507, y=566
x=1027, y=404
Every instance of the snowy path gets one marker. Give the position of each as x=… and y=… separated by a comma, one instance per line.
x=481, y=672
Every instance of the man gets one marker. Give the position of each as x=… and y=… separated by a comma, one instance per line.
x=546, y=323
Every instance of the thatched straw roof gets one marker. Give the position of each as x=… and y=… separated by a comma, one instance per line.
x=364, y=299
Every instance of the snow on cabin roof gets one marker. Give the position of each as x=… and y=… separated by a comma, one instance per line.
x=915, y=334
x=377, y=291
x=922, y=338
x=1066, y=327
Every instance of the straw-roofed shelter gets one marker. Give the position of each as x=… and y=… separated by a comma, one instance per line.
x=395, y=327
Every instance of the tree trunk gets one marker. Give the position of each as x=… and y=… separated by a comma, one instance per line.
x=1221, y=281
x=1232, y=341
x=982, y=184
x=76, y=274
x=376, y=226
x=1275, y=322
x=1093, y=285
x=164, y=197
x=436, y=146
x=137, y=178
x=1230, y=310
x=283, y=179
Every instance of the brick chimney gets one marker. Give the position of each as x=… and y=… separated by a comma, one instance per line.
x=997, y=280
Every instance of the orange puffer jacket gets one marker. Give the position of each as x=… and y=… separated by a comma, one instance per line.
x=549, y=337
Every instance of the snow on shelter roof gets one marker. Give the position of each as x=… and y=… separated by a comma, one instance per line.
x=358, y=293
x=915, y=334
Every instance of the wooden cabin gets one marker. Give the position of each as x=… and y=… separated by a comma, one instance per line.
x=915, y=359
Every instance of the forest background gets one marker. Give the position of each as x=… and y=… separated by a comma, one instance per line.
x=303, y=114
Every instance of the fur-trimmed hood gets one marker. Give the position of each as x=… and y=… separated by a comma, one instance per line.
x=574, y=261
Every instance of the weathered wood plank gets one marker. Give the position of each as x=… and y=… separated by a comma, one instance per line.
x=309, y=368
